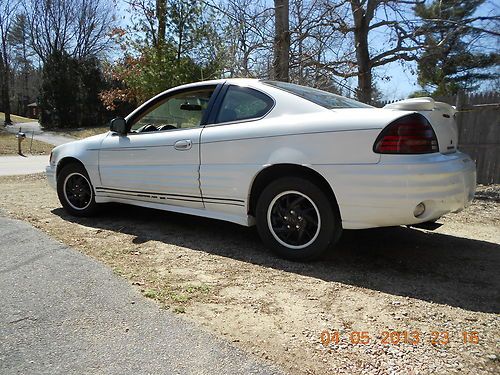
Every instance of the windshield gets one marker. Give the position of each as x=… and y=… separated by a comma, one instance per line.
x=320, y=97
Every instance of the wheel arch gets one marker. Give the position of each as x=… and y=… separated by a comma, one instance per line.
x=276, y=171
x=66, y=161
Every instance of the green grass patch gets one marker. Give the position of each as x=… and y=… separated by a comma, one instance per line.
x=150, y=293
x=178, y=297
x=16, y=118
x=202, y=288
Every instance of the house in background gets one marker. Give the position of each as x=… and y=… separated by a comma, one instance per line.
x=33, y=110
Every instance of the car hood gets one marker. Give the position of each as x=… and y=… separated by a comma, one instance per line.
x=72, y=148
x=89, y=142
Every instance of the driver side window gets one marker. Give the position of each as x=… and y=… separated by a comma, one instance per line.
x=181, y=111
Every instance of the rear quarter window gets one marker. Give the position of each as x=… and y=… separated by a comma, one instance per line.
x=243, y=103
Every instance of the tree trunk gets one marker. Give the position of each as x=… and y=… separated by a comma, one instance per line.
x=161, y=15
x=364, y=91
x=361, y=29
x=25, y=90
x=179, y=46
x=4, y=90
x=281, y=41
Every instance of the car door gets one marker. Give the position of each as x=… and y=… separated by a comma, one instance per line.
x=232, y=148
x=158, y=160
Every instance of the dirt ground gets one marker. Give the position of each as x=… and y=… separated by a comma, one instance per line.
x=436, y=284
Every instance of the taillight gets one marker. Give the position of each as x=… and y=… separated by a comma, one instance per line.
x=410, y=134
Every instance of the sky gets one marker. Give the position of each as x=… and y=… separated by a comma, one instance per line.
x=400, y=79
x=403, y=82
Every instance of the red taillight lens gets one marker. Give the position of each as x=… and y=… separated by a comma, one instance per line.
x=410, y=134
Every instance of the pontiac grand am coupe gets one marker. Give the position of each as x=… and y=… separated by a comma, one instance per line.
x=300, y=163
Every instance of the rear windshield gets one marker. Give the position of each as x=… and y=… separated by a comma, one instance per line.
x=320, y=97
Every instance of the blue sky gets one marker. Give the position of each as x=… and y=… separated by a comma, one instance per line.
x=403, y=82
x=400, y=79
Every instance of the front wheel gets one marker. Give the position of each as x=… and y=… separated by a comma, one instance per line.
x=75, y=191
x=297, y=219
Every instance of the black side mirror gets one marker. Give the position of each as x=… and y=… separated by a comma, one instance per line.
x=118, y=125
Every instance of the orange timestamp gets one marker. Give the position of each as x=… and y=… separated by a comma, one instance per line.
x=412, y=337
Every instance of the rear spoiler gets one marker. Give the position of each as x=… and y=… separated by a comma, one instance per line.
x=422, y=104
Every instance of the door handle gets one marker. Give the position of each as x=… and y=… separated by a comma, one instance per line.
x=183, y=145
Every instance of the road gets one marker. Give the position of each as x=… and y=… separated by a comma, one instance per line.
x=20, y=165
x=64, y=313
x=38, y=134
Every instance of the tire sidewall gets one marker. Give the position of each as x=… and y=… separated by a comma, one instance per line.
x=65, y=172
x=330, y=227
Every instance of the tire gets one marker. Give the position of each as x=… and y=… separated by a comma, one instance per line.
x=75, y=191
x=297, y=219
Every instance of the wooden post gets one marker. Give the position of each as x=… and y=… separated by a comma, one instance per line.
x=460, y=103
x=31, y=144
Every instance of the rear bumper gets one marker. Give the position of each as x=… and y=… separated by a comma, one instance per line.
x=386, y=194
x=50, y=172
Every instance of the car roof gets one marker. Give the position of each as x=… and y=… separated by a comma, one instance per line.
x=237, y=81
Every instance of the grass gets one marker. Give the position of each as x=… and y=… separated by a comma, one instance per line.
x=202, y=288
x=176, y=299
x=16, y=118
x=82, y=132
x=75, y=133
x=179, y=297
x=150, y=293
x=8, y=145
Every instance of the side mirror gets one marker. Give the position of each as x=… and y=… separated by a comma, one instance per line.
x=118, y=125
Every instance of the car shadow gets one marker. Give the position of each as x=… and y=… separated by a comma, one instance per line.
x=401, y=261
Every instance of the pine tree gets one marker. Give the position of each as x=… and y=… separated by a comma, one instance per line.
x=69, y=94
x=449, y=62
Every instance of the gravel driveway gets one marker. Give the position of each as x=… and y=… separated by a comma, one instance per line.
x=441, y=284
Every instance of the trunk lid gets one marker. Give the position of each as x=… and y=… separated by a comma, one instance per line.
x=440, y=115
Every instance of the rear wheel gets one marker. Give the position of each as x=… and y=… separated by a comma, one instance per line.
x=75, y=191
x=297, y=219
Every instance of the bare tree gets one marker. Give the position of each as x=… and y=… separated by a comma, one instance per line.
x=8, y=9
x=78, y=27
x=184, y=24
x=357, y=21
x=247, y=34
x=313, y=39
x=151, y=20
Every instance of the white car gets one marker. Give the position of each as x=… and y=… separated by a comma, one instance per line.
x=300, y=163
